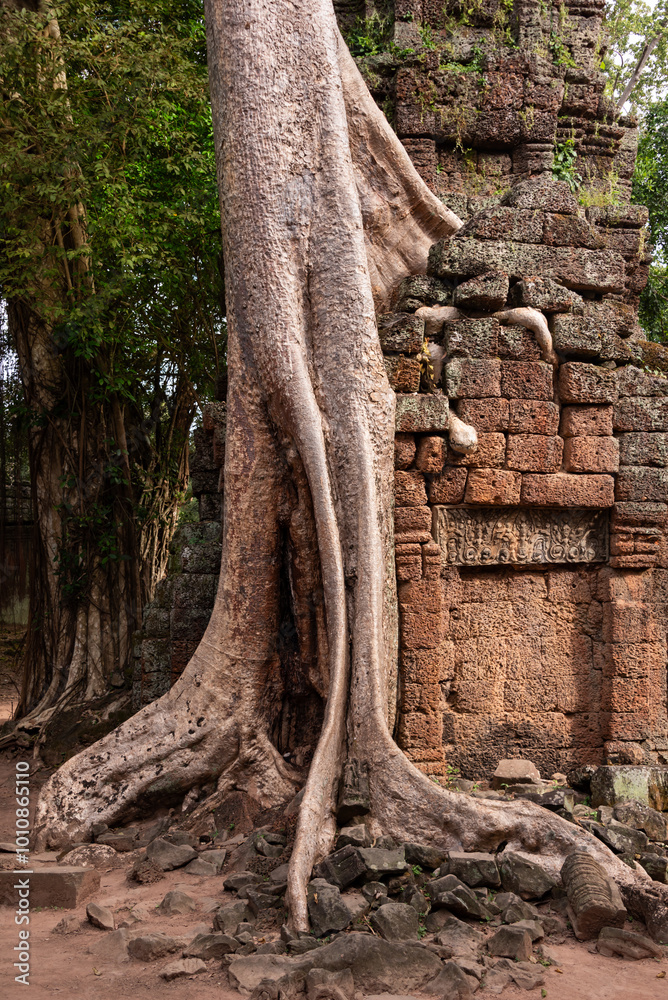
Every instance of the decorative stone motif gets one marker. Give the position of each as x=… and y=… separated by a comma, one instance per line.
x=470, y=536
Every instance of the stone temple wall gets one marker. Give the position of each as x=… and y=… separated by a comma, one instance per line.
x=532, y=573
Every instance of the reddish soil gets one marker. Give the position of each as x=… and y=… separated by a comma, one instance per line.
x=61, y=965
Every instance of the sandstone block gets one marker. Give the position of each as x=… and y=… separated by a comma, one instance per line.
x=431, y=452
x=428, y=666
x=409, y=489
x=544, y=194
x=563, y=490
x=633, y=381
x=627, y=944
x=583, y=383
x=65, y=887
x=511, y=942
x=502, y=222
x=471, y=379
x=408, y=520
x=625, y=216
x=594, y=900
x=570, y=231
x=626, y=694
x=404, y=450
x=544, y=294
x=526, y=380
x=533, y=416
x=403, y=373
x=515, y=771
x=591, y=454
x=573, y=335
x=643, y=449
x=586, y=421
x=421, y=414
x=493, y=486
x=534, y=453
x=401, y=332
x=448, y=487
x=421, y=629
x=471, y=338
x=487, y=292
x=518, y=344
x=489, y=454
x=641, y=415
x=486, y=415
x=642, y=483
x=326, y=909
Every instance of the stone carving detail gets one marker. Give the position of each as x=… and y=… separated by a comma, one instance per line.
x=487, y=536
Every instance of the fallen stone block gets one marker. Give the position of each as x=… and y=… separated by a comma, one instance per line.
x=167, y=856
x=594, y=901
x=511, y=942
x=655, y=866
x=523, y=877
x=65, y=887
x=426, y=857
x=215, y=945
x=456, y=938
x=515, y=772
x=395, y=922
x=111, y=948
x=316, y=979
x=182, y=967
x=474, y=868
x=452, y=983
x=148, y=947
x=100, y=916
x=627, y=944
x=177, y=902
x=326, y=909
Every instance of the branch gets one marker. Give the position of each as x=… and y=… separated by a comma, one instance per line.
x=647, y=51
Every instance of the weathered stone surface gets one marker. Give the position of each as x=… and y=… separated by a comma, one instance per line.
x=474, y=868
x=486, y=415
x=148, y=947
x=471, y=338
x=352, y=835
x=582, y=270
x=627, y=944
x=570, y=231
x=591, y=454
x=467, y=378
x=618, y=837
x=420, y=290
x=122, y=841
x=452, y=983
x=655, y=866
x=451, y=894
x=401, y=332
x=543, y=194
x=614, y=784
x=575, y=336
x=215, y=945
x=65, y=887
x=409, y=489
x=586, y=421
x=455, y=938
x=535, y=453
x=353, y=797
x=544, y=294
x=258, y=901
x=326, y=909
x=395, y=922
x=643, y=449
x=526, y=380
x=515, y=771
x=341, y=868
x=168, y=856
x=639, y=482
x=489, y=453
x=594, y=899
x=533, y=416
x=534, y=928
x=641, y=414
x=475, y=536
x=228, y=918
x=500, y=222
x=91, y=856
x=488, y=292
x=448, y=487
x=182, y=967
x=403, y=373
x=431, y=452
x=404, y=450
x=518, y=344
x=215, y=858
x=421, y=414
x=423, y=855
x=111, y=948
x=342, y=980
x=511, y=942
x=489, y=486
x=626, y=216
x=632, y=381
x=379, y=862
x=564, y=490
x=177, y=902
x=377, y=966
x=582, y=383
x=201, y=868
x=642, y=817
x=524, y=877
x=100, y=916
x=239, y=880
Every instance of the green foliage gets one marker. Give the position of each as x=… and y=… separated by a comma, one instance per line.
x=563, y=165
x=561, y=55
x=650, y=188
x=369, y=36
x=629, y=25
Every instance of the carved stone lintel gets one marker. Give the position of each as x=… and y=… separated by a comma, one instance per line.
x=488, y=536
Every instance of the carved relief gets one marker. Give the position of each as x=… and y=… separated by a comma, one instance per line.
x=488, y=536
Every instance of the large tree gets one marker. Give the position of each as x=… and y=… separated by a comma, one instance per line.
x=111, y=271
x=322, y=212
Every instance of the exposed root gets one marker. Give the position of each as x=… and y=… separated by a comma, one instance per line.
x=532, y=319
x=435, y=316
x=462, y=437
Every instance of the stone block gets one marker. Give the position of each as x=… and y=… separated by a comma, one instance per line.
x=64, y=887
x=583, y=383
x=404, y=450
x=428, y=666
x=534, y=453
x=471, y=379
x=493, y=486
x=544, y=294
x=641, y=483
x=573, y=335
x=403, y=373
x=471, y=338
x=518, y=344
x=501, y=222
x=419, y=290
x=421, y=414
x=632, y=381
x=624, y=216
x=421, y=629
x=591, y=454
x=533, y=416
x=626, y=694
x=570, y=231
x=563, y=490
x=448, y=487
x=488, y=292
x=542, y=193
x=419, y=733
x=586, y=421
x=526, y=380
x=409, y=489
x=582, y=270
x=431, y=452
x=489, y=454
x=643, y=449
x=641, y=415
x=486, y=415
x=410, y=520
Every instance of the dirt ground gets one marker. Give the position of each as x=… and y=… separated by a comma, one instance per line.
x=68, y=966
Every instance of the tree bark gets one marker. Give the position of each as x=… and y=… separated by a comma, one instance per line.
x=305, y=166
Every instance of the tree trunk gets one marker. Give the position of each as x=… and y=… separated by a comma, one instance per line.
x=305, y=165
